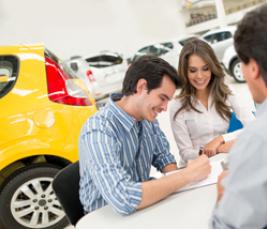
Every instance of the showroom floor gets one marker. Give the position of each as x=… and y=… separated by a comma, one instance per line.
x=163, y=118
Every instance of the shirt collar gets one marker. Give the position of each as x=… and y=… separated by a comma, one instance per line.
x=123, y=117
x=200, y=106
x=261, y=108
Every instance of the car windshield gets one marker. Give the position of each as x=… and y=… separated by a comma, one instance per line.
x=156, y=49
x=104, y=60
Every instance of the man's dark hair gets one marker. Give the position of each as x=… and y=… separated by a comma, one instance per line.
x=150, y=68
x=250, y=39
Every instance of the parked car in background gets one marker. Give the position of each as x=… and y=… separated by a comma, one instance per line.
x=104, y=72
x=220, y=39
x=78, y=67
x=42, y=111
x=232, y=64
x=168, y=51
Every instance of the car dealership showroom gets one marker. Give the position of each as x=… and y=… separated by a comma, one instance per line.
x=60, y=62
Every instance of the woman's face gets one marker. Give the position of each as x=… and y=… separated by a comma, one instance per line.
x=199, y=73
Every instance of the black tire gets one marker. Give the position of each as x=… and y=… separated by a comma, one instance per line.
x=38, y=205
x=237, y=72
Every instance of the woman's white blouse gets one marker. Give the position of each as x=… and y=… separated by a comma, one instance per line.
x=193, y=130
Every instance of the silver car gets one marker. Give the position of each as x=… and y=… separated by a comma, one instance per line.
x=103, y=73
x=168, y=51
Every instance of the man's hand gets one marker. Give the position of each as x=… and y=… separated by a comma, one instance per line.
x=157, y=189
x=211, y=148
x=220, y=188
x=199, y=168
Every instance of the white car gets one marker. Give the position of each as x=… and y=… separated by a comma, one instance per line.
x=168, y=51
x=78, y=66
x=232, y=64
x=220, y=39
x=108, y=69
x=103, y=72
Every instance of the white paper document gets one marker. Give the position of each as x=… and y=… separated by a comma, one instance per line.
x=216, y=170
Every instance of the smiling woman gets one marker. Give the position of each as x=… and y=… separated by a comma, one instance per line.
x=201, y=112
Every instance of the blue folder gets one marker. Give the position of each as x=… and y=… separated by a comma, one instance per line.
x=234, y=124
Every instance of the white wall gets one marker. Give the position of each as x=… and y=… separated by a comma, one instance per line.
x=81, y=27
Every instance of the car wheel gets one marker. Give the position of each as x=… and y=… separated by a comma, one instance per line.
x=237, y=72
x=28, y=200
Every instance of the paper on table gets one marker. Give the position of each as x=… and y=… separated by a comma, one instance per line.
x=216, y=170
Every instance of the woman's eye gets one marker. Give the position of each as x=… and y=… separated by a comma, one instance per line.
x=192, y=70
x=206, y=69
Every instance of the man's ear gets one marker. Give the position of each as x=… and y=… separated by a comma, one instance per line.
x=141, y=86
x=254, y=69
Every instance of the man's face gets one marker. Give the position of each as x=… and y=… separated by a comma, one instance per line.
x=156, y=101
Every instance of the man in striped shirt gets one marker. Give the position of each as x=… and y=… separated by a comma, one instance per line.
x=118, y=145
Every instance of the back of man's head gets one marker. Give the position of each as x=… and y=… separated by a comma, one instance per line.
x=250, y=39
x=150, y=68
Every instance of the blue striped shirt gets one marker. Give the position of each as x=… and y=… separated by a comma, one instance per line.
x=116, y=153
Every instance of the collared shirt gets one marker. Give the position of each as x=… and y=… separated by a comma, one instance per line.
x=244, y=203
x=192, y=130
x=116, y=153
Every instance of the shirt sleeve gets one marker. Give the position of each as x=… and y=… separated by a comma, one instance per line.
x=162, y=155
x=102, y=162
x=182, y=138
x=243, y=112
x=244, y=203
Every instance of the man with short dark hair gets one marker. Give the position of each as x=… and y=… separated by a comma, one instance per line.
x=242, y=196
x=122, y=141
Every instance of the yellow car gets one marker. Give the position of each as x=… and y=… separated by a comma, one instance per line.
x=42, y=109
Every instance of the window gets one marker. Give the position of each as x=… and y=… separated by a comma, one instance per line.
x=217, y=37
x=209, y=38
x=8, y=73
x=222, y=36
x=144, y=50
x=168, y=45
x=227, y=35
x=154, y=50
x=104, y=60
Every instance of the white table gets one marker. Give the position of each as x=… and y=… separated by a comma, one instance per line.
x=185, y=210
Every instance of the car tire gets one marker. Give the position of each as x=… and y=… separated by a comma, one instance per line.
x=28, y=201
x=237, y=72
